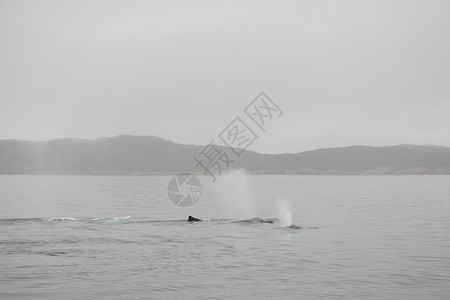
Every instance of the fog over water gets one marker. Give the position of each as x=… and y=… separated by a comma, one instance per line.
x=162, y=149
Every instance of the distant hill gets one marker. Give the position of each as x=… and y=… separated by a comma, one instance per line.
x=152, y=155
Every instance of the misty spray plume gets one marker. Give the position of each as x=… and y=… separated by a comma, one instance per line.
x=236, y=194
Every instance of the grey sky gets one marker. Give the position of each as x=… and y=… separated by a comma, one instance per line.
x=344, y=72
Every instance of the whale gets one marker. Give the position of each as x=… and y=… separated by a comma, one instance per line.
x=255, y=220
x=246, y=221
x=192, y=219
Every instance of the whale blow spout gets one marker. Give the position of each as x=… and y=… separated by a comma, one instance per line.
x=192, y=219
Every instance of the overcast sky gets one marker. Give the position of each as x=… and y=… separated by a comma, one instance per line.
x=344, y=72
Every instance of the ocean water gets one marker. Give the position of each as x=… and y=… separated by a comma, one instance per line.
x=120, y=237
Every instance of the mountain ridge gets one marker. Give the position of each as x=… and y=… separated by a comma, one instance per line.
x=151, y=155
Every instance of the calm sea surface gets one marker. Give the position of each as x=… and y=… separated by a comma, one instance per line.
x=114, y=237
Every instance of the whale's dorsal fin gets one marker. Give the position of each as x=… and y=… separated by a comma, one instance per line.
x=192, y=219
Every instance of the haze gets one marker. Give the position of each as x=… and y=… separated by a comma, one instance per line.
x=344, y=72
